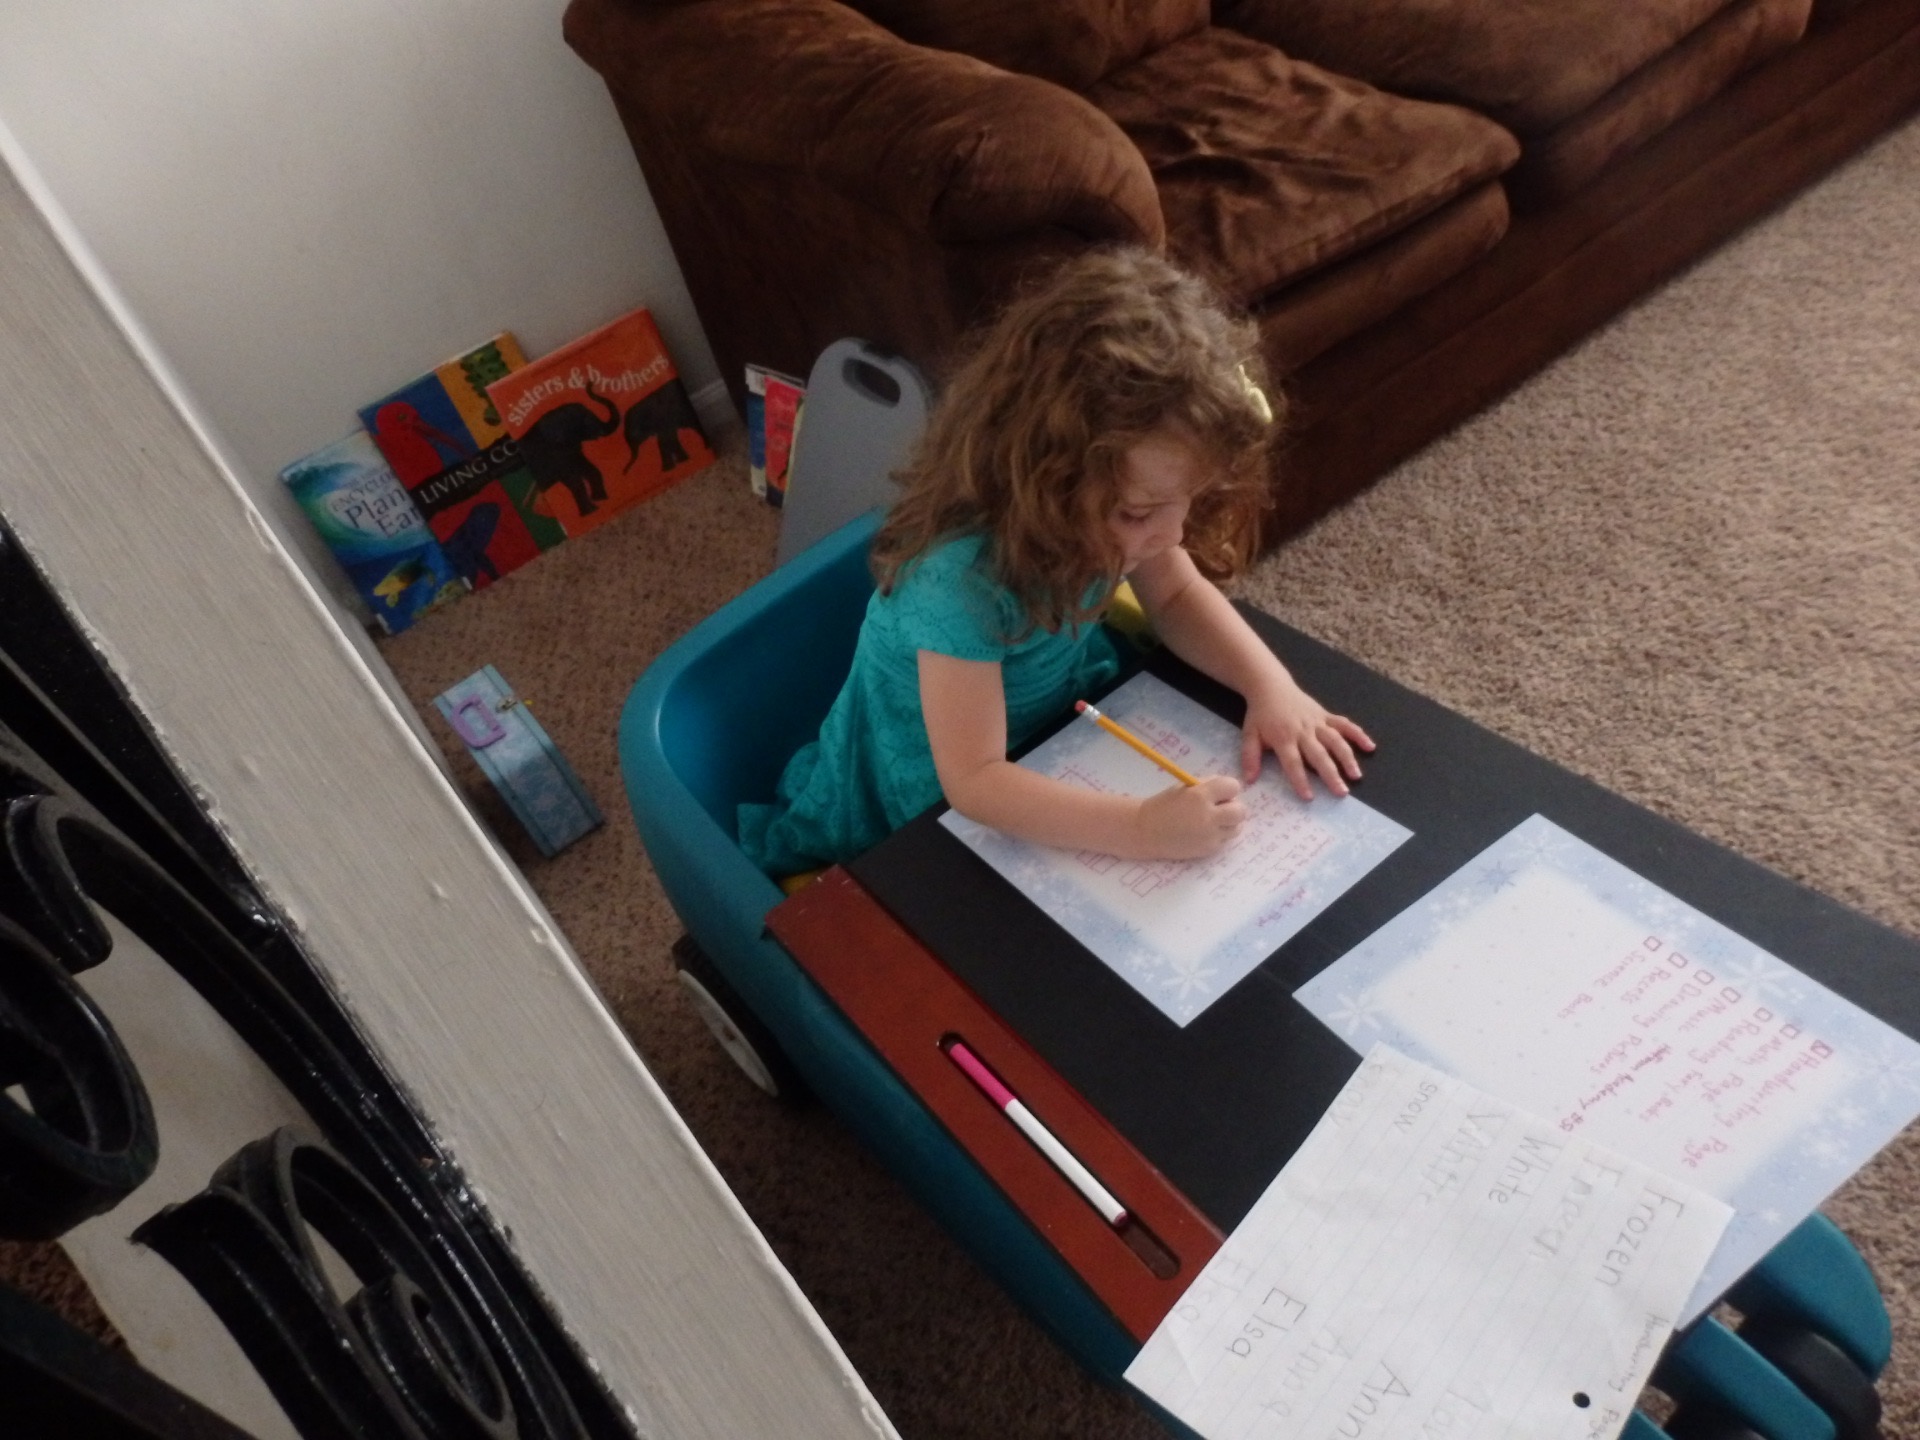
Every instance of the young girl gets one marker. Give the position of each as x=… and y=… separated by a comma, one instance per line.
x=1108, y=425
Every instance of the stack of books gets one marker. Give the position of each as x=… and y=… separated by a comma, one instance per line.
x=487, y=460
x=773, y=420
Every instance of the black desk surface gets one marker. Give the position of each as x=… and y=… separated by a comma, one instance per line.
x=1220, y=1105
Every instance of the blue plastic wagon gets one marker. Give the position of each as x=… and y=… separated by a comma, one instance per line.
x=712, y=723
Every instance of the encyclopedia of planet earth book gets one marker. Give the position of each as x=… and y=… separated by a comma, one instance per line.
x=602, y=423
x=374, y=530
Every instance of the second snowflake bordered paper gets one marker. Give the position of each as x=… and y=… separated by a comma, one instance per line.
x=1183, y=933
x=1549, y=974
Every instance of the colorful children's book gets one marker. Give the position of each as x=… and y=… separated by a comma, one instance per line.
x=757, y=377
x=784, y=399
x=374, y=530
x=444, y=439
x=602, y=423
x=757, y=430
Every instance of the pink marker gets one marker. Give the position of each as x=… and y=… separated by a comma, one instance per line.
x=1097, y=1195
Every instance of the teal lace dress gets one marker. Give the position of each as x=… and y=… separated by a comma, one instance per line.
x=872, y=770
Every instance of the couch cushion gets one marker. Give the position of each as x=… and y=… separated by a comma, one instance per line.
x=1530, y=64
x=1070, y=42
x=1269, y=168
x=1745, y=34
x=1304, y=320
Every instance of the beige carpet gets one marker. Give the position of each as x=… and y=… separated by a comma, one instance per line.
x=1684, y=561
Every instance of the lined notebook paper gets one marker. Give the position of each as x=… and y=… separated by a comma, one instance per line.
x=1434, y=1262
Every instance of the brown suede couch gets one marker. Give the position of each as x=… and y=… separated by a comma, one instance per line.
x=1420, y=201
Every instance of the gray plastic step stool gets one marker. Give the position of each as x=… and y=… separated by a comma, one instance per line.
x=864, y=410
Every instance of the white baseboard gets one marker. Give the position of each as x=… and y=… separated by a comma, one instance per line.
x=714, y=406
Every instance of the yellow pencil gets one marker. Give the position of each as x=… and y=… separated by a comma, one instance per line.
x=1122, y=733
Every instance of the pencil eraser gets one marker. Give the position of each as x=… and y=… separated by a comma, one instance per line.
x=1079, y=707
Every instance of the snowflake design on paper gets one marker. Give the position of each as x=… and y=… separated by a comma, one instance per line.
x=1497, y=877
x=1829, y=1148
x=1190, y=976
x=1896, y=1077
x=1848, y=1116
x=1352, y=1013
x=1663, y=913
x=1758, y=974
x=1541, y=847
x=1715, y=950
x=1746, y=1221
x=1455, y=905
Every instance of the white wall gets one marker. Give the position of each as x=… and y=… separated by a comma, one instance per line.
x=309, y=204
x=445, y=958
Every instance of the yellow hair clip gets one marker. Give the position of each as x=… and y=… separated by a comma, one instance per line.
x=1261, y=405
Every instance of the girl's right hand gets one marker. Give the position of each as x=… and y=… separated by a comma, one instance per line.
x=1191, y=822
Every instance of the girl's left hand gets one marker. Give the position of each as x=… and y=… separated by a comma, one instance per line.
x=1303, y=735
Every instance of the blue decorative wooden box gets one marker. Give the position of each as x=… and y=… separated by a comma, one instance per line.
x=519, y=759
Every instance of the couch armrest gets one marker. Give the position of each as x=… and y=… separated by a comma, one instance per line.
x=945, y=144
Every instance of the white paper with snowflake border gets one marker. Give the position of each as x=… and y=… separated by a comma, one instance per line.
x=1183, y=933
x=1548, y=974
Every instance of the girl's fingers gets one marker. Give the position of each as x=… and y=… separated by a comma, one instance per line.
x=1350, y=731
x=1324, y=766
x=1326, y=749
x=1250, y=746
x=1342, y=753
x=1296, y=771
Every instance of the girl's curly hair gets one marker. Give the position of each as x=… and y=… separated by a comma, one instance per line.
x=1028, y=439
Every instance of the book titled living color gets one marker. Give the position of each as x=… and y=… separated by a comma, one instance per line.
x=443, y=438
x=602, y=423
x=374, y=530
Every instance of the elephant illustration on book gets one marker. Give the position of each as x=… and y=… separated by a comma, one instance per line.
x=554, y=448
x=661, y=416
x=466, y=545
